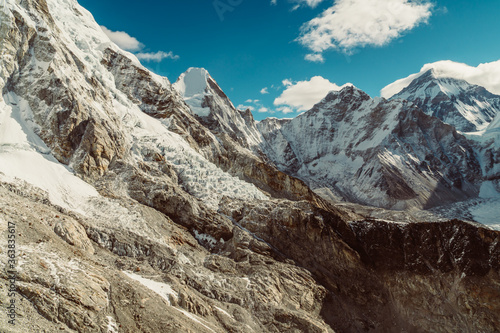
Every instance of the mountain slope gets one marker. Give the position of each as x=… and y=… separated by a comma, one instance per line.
x=376, y=152
x=465, y=106
x=237, y=145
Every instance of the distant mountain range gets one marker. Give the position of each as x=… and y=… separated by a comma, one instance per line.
x=409, y=151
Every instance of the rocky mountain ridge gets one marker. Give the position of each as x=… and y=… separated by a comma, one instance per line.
x=423, y=161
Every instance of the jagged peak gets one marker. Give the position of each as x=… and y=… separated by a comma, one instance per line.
x=349, y=92
x=192, y=82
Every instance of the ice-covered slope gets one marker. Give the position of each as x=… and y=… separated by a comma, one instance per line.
x=55, y=75
x=465, y=106
x=24, y=156
x=207, y=100
x=377, y=152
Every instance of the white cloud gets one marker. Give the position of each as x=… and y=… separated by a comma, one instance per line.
x=314, y=57
x=486, y=75
x=264, y=91
x=287, y=82
x=244, y=107
x=274, y=2
x=357, y=23
x=263, y=109
x=310, y=3
x=302, y=95
x=123, y=40
x=129, y=43
x=156, y=56
x=285, y=109
x=252, y=101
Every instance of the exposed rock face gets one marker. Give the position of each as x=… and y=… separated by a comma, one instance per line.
x=170, y=284
x=465, y=106
x=60, y=91
x=428, y=284
x=74, y=234
x=373, y=151
x=182, y=230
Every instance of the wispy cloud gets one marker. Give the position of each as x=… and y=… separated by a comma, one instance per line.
x=131, y=44
x=309, y=3
x=349, y=24
x=264, y=91
x=255, y=105
x=244, y=107
x=285, y=109
x=314, y=57
x=123, y=40
x=156, y=56
x=302, y=95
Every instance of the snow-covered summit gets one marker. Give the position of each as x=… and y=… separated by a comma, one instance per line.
x=466, y=106
x=192, y=82
x=193, y=87
x=207, y=100
x=380, y=152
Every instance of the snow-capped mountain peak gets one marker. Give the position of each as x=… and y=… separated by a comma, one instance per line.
x=348, y=94
x=193, y=86
x=206, y=99
x=192, y=82
x=465, y=106
x=373, y=151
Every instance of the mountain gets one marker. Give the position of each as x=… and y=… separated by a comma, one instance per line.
x=465, y=106
x=376, y=152
x=214, y=109
x=134, y=211
x=235, y=139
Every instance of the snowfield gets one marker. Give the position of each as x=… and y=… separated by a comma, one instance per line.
x=24, y=156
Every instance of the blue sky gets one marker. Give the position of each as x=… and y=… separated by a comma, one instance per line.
x=251, y=45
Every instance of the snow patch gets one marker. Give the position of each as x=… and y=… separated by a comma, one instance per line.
x=224, y=312
x=488, y=190
x=205, y=239
x=162, y=289
x=112, y=327
x=166, y=291
x=23, y=155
